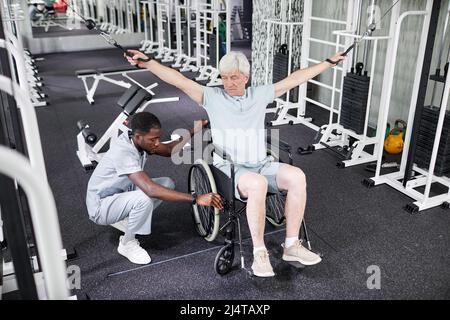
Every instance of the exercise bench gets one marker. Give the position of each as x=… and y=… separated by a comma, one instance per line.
x=105, y=74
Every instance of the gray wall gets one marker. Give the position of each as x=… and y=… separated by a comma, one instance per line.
x=406, y=59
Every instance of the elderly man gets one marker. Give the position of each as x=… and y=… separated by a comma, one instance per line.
x=233, y=110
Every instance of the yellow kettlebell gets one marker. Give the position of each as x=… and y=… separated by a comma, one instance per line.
x=394, y=141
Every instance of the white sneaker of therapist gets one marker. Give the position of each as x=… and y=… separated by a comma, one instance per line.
x=133, y=252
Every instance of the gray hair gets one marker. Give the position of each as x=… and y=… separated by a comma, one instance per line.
x=234, y=60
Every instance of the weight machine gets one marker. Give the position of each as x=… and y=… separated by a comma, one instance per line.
x=134, y=100
x=28, y=78
x=414, y=177
x=41, y=276
x=284, y=106
x=350, y=133
x=347, y=130
x=149, y=45
x=284, y=56
x=118, y=16
x=164, y=21
x=207, y=40
x=185, y=48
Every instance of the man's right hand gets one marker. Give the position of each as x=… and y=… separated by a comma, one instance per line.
x=210, y=199
x=137, y=58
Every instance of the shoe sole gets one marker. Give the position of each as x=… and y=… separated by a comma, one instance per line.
x=263, y=275
x=296, y=259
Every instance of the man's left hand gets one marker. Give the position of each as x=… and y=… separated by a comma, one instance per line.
x=338, y=57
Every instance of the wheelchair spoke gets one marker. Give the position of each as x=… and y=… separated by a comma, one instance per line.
x=275, y=209
x=201, y=185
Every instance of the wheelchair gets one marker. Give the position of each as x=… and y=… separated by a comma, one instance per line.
x=205, y=178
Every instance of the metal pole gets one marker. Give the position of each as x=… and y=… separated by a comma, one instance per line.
x=422, y=89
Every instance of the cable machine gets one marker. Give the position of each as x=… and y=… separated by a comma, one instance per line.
x=416, y=176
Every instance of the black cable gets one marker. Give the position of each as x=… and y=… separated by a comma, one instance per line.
x=372, y=27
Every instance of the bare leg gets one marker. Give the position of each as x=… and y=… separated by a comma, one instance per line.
x=253, y=186
x=293, y=180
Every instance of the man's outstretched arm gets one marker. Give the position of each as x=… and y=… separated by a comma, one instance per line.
x=301, y=76
x=168, y=75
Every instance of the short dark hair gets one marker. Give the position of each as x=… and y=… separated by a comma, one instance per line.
x=143, y=122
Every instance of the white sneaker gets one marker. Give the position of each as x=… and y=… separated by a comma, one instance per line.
x=133, y=252
x=261, y=264
x=121, y=225
x=299, y=253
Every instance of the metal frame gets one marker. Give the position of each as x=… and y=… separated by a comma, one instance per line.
x=149, y=45
x=26, y=72
x=114, y=12
x=163, y=17
x=87, y=154
x=283, y=107
x=358, y=155
x=45, y=221
x=184, y=55
x=334, y=134
x=423, y=200
x=207, y=71
x=98, y=76
x=30, y=174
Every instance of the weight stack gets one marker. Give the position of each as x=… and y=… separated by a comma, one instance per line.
x=185, y=40
x=354, y=102
x=212, y=50
x=425, y=141
x=280, y=71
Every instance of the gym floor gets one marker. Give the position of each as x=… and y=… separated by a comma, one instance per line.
x=352, y=226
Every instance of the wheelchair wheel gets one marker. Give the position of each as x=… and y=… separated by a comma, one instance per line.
x=206, y=219
x=224, y=259
x=275, y=209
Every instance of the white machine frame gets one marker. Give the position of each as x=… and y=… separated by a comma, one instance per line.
x=284, y=106
x=87, y=154
x=184, y=56
x=334, y=134
x=163, y=20
x=207, y=71
x=98, y=76
x=422, y=178
x=115, y=23
x=28, y=78
x=31, y=175
x=149, y=45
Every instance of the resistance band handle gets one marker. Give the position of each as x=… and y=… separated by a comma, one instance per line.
x=342, y=55
x=348, y=50
x=332, y=62
x=140, y=59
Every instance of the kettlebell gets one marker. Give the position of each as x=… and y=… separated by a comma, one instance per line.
x=394, y=142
